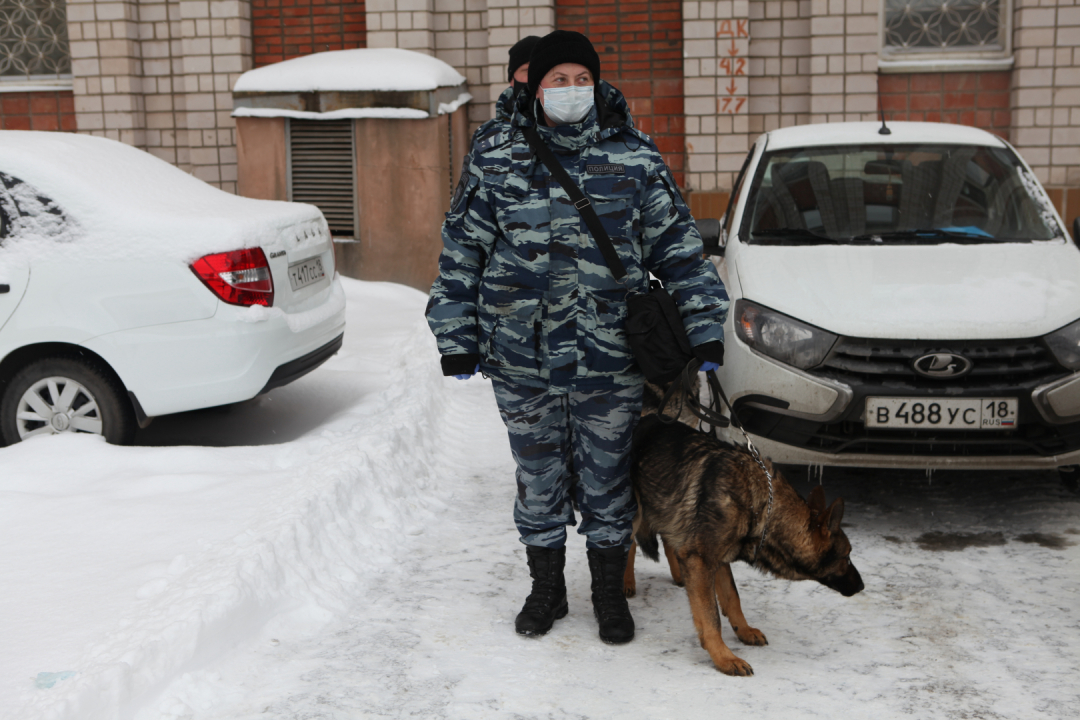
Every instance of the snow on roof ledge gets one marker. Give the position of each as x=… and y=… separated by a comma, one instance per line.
x=392, y=113
x=362, y=69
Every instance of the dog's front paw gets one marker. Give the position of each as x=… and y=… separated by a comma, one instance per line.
x=751, y=636
x=736, y=667
x=629, y=588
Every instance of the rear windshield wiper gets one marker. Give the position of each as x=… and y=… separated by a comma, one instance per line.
x=793, y=234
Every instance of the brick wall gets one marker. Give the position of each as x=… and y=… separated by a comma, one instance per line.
x=979, y=99
x=779, y=66
x=1046, y=89
x=284, y=29
x=456, y=32
x=38, y=110
x=641, y=48
x=717, y=66
x=507, y=21
x=461, y=40
x=844, y=45
x=158, y=74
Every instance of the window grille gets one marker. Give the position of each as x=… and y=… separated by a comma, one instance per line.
x=943, y=25
x=322, y=171
x=34, y=40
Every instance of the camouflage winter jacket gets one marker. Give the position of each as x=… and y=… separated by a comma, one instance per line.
x=523, y=288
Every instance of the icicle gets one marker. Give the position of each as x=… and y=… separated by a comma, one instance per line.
x=929, y=476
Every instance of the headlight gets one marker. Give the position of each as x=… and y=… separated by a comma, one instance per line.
x=1065, y=345
x=781, y=337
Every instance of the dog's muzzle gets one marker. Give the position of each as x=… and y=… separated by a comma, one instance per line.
x=847, y=584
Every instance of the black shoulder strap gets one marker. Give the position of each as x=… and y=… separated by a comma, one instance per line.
x=580, y=199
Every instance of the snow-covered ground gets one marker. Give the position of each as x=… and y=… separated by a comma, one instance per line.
x=343, y=548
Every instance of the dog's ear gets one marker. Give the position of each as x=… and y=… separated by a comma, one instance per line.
x=816, y=502
x=834, y=515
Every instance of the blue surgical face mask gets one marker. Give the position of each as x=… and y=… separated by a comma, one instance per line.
x=568, y=104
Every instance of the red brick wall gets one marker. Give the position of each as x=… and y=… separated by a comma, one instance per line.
x=980, y=99
x=285, y=29
x=640, y=46
x=53, y=110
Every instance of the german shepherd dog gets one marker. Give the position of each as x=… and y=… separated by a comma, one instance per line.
x=707, y=500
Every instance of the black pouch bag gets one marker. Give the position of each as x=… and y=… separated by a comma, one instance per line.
x=654, y=328
x=656, y=334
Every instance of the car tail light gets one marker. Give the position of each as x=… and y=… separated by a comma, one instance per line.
x=241, y=277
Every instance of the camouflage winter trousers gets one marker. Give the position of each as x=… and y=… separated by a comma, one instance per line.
x=576, y=445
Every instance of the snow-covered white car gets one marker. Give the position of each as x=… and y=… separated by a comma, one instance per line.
x=129, y=289
x=901, y=298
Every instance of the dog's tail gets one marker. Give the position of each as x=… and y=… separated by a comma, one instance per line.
x=650, y=546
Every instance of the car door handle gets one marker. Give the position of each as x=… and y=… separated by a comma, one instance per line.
x=4, y=289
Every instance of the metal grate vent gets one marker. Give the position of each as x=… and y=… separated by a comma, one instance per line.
x=322, y=171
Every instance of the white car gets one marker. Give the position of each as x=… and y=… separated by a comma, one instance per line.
x=901, y=298
x=129, y=289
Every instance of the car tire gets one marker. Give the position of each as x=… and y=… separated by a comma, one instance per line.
x=1070, y=478
x=67, y=394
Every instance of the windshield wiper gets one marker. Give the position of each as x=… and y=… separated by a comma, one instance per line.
x=929, y=235
x=792, y=234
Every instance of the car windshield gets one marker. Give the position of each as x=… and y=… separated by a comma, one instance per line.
x=896, y=194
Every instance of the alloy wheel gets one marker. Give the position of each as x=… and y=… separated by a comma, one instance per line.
x=56, y=405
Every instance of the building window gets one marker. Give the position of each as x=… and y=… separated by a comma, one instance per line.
x=943, y=33
x=34, y=41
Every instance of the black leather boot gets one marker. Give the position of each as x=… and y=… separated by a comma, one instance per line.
x=609, y=602
x=547, y=601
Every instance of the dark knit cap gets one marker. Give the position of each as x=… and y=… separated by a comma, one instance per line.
x=558, y=47
x=519, y=55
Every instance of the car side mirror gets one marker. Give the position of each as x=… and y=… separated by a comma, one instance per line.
x=711, y=235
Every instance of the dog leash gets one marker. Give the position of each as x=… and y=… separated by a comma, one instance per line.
x=715, y=420
x=714, y=384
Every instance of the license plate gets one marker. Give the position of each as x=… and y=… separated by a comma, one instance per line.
x=306, y=272
x=941, y=414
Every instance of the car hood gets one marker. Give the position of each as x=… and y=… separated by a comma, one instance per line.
x=932, y=292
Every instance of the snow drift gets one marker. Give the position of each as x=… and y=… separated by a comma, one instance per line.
x=314, y=543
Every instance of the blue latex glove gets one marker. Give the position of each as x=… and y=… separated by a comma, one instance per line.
x=466, y=376
x=709, y=366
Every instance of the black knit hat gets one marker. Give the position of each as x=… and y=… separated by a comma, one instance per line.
x=519, y=55
x=561, y=46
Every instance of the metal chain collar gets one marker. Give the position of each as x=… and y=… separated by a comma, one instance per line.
x=768, y=507
x=757, y=458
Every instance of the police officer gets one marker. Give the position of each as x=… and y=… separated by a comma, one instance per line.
x=525, y=296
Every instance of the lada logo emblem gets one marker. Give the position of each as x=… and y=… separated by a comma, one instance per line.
x=942, y=365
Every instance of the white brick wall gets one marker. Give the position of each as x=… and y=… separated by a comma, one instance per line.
x=507, y=22
x=844, y=43
x=158, y=74
x=474, y=36
x=718, y=86
x=1046, y=88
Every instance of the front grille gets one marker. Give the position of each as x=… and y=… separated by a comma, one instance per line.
x=888, y=363
x=883, y=368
